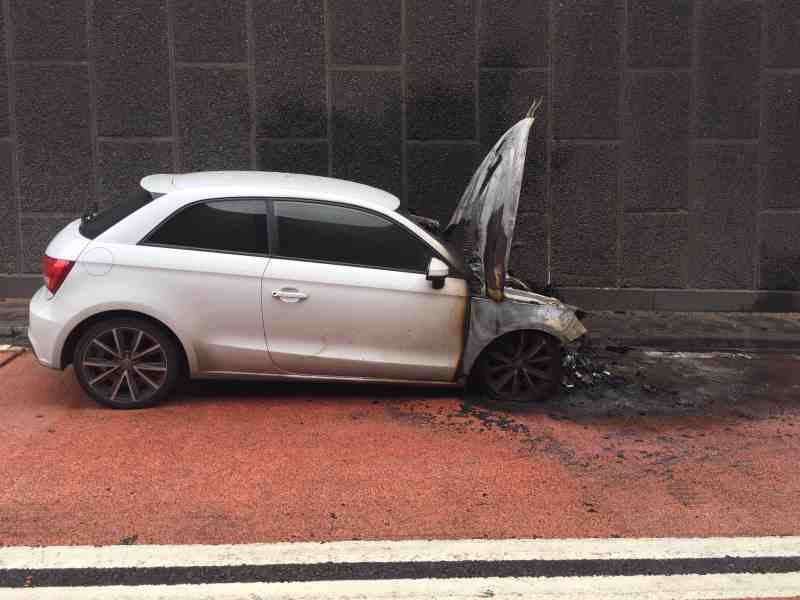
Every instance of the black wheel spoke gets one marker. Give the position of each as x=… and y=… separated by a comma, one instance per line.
x=100, y=364
x=106, y=348
x=117, y=385
x=117, y=344
x=515, y=383
x=103, y=375
x=531, y=383
x=538, y=360
x=538, y=374
x=132, y=387
x=146, y=352
x=534, y=350
x=151, y=367
x=522, y=366
x=137, y=341
x=145, y=378
x=497, y=367
x=504, y=379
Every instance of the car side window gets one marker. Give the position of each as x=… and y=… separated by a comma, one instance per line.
x=236, y=226
x=337, y=234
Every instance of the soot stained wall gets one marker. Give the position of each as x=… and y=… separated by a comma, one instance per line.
x=666, y=156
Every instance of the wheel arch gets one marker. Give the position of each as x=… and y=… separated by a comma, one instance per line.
x=491, y=320
x=477, y=350
x=68, y=349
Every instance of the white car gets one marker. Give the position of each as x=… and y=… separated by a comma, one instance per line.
x=285, y=276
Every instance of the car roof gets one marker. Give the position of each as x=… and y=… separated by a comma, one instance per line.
x=270, y=183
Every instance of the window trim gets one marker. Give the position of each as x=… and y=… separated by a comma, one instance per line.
x=145, y=241
x=273, y=237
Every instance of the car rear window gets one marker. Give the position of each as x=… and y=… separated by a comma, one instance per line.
x=94, y=224
x=233, y=226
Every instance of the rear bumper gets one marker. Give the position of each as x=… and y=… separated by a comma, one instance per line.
x=44, y=329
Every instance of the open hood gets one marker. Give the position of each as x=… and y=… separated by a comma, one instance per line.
x=488, y=210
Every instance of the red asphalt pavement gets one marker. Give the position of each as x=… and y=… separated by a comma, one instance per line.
x=241, y=462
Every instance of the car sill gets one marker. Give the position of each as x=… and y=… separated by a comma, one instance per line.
x=295, y=377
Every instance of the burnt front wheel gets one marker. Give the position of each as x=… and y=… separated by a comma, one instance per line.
x=520, y=366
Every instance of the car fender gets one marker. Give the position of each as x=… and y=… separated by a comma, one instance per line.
x=148, y=311
x=489, y=320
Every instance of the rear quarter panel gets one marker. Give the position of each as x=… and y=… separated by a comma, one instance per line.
x=210, y=301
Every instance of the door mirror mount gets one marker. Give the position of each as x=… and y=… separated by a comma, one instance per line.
x=437, y=272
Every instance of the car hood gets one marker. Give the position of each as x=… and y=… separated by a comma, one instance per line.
x=488, y=210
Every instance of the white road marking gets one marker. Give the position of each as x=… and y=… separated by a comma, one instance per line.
x=75, y=557
x=674, y=587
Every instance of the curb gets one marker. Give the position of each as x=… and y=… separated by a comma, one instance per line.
x=13, y=329
x=701, y=343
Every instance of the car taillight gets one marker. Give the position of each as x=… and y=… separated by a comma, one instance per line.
x=55, y=271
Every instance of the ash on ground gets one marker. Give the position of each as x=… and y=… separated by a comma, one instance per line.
x=585, y=369
x=617, y=381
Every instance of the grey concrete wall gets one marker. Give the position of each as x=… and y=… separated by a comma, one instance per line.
x=666, y=161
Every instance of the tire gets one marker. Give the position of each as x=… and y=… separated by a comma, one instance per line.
x=522, y=366
x=127, y=363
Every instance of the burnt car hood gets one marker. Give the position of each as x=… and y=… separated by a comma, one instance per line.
x=488, y=210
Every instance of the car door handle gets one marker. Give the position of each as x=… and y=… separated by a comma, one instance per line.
x=289, y=295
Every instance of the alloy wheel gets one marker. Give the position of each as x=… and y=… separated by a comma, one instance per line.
x=124, y=365
x=522, y=366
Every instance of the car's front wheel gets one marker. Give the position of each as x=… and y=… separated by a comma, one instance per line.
x=520, y=366
x=126, y=363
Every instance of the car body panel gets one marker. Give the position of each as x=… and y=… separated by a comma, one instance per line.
x=363, y=322
x=79, y=299
x=214, y=295
x=211, y=301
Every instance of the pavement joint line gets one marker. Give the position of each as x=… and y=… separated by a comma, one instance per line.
x=303, y=553
x=683, y=587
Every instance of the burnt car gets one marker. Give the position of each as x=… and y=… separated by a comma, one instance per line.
x=295, y=277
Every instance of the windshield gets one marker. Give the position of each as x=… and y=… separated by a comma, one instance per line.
x=93, y=223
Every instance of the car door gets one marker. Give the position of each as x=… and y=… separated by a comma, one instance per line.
x=207, y=260
x=345, y=294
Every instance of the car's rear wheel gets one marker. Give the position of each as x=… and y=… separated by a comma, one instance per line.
x=520, y=366
x=126, y=363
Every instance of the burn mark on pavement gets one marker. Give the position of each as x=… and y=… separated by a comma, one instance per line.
x=652, y=413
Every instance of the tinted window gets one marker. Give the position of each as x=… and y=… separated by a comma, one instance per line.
x=96, y=223
x=220, y=225
x=336, y=234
